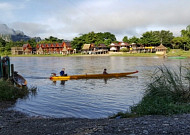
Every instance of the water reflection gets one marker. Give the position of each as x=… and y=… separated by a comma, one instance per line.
x=62, y=82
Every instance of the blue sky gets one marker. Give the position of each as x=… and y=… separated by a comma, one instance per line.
x=68, y=18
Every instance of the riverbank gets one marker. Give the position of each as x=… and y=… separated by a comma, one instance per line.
x=16, y=123
x=172, y=52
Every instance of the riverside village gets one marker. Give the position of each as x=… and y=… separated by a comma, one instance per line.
x=94, y=67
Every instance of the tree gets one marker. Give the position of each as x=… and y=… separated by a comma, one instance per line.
x=185, y=38
x=181, y=42
x=92, y=37
x=155, y=38
x=125, y=39
x=51, y=39
x=9, y=45
x=3, y=42
x=32, y=42
x=107, y=42
x=134, y=40
x=166, y=38
x=150, y=38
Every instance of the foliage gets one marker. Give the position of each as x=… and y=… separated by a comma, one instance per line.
x=167, y=93
x=19, y=43
x=134, y=40
x=155, y=38
x=91, y=37
x=125, y=39
x=32, y=42
x=3, y=42
x=10, y=93
x=124, y=50
x=2, y=45
x=51, y=39
x=181, y=43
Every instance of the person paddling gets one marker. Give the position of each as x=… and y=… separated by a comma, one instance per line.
x=105, y=71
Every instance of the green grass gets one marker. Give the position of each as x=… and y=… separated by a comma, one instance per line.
x=172, y=52
x=167, y=93
x=135, y=54
x=8, y=92
x=45, y=55
x=178, y=52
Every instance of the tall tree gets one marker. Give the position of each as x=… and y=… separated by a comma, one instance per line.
x=32, y=42
x=166, y=38
x=125, y=39
x=134, y=40
x=150, y=38
x=3, y=42
x=51, y=39
x=92, y=37
x=155, y=38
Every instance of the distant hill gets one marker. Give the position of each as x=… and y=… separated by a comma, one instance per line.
x=15, y=35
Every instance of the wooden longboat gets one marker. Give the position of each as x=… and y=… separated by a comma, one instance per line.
x=91, y=76
x=19, y=80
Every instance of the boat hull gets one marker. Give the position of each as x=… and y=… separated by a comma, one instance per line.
x=19, y=80
x=92, y=76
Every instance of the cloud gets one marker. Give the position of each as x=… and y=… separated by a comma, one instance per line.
x=31, y=29
x=6, y=6
x=127, y=18
x=105, y=16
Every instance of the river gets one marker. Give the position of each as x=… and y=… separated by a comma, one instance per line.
x=92, y=98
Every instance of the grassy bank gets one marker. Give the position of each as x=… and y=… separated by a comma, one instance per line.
x=8, y=92
x=167, y=93
x=44, y=55
x=178, y=52
x=135, y=54
x=172, y=52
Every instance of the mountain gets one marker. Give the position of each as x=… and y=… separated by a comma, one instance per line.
x=10, y=34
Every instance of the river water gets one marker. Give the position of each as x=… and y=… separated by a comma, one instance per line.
x=92, y=98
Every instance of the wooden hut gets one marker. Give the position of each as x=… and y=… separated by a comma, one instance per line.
x=161, y=49
x=86, y=48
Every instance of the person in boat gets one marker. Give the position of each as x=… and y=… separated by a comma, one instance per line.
x=105, y=71
x=62, y=73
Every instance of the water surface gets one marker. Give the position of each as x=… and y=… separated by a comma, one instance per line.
x=92, y=98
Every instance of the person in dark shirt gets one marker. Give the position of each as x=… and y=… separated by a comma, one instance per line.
x=62, y=73
x=105, y=71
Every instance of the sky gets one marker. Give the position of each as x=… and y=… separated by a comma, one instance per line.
x=67, y=19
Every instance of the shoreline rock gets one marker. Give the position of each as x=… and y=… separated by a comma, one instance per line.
x=17, y=123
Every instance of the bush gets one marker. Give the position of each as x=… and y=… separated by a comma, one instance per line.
x=124, y=50
x=167, y=93
x=8, y=92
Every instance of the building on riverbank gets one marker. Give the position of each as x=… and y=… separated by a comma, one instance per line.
x=137, y=48
x=27, y=49
x=161, y=49
x=94, y=49
x=55, y=48
x=16, y=50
